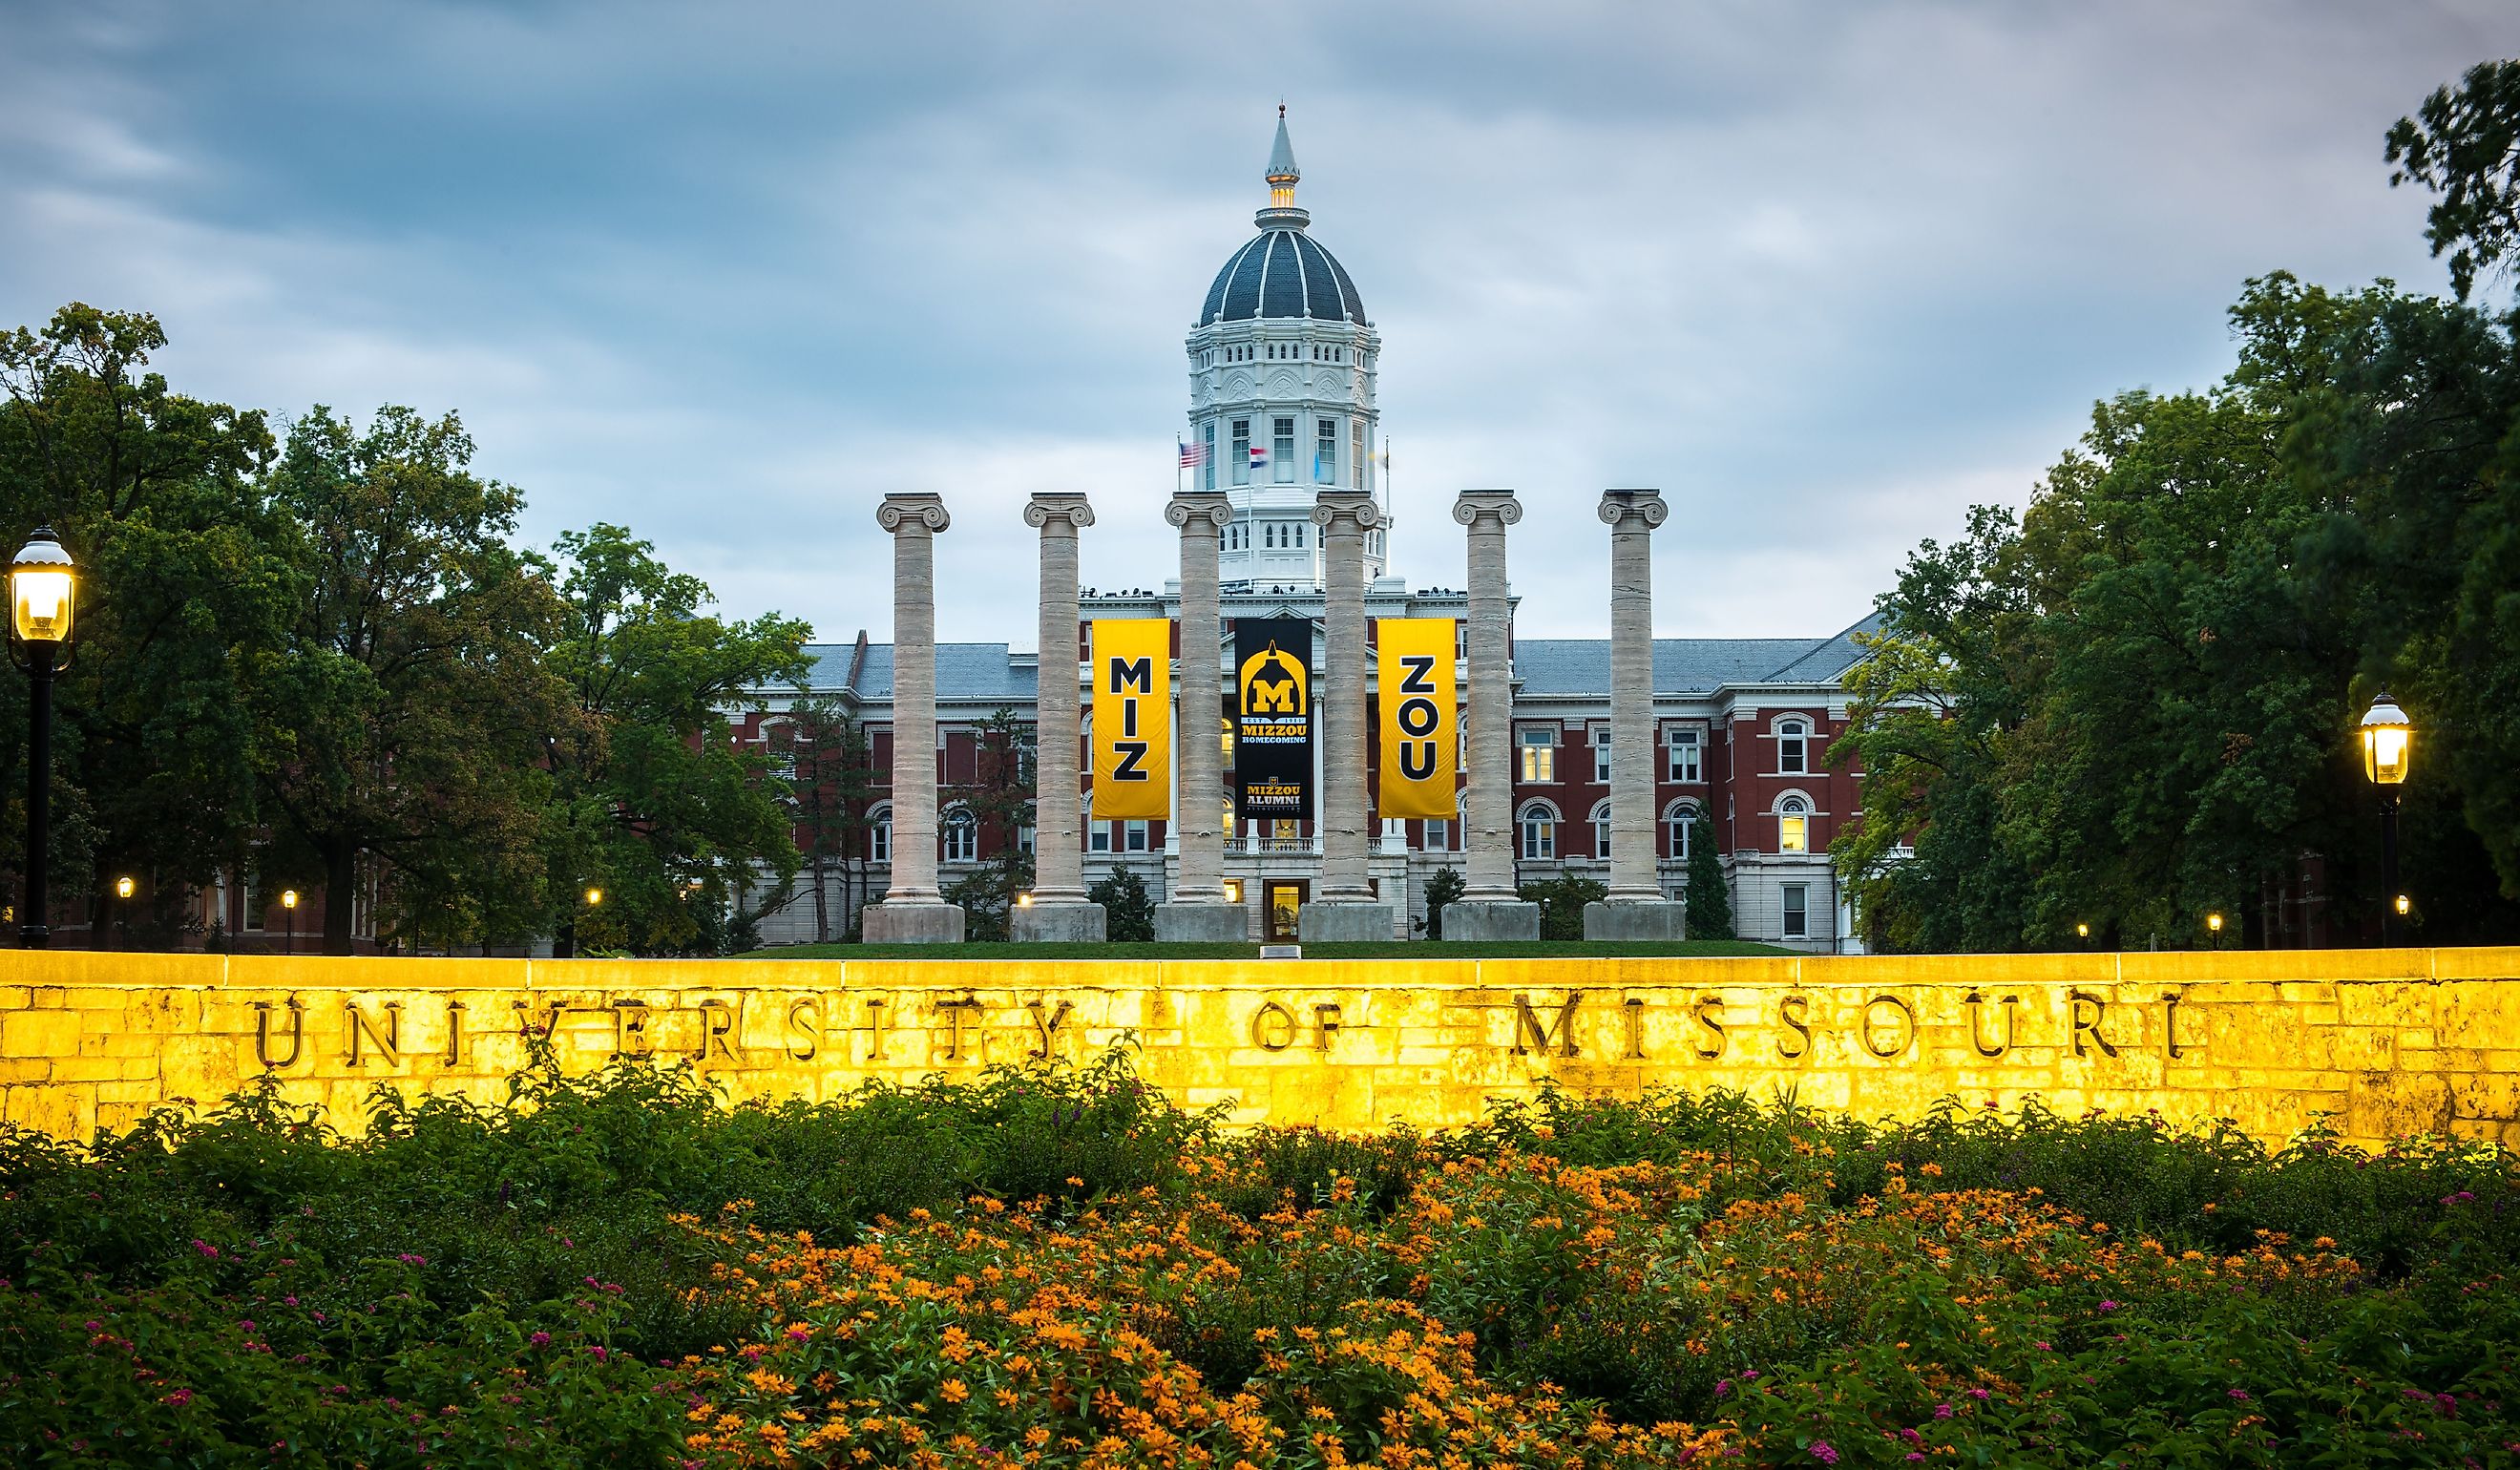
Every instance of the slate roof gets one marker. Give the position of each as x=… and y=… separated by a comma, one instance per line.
x=1576, y=666
x=964, y=671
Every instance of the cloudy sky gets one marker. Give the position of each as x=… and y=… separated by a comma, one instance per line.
x=728, y=273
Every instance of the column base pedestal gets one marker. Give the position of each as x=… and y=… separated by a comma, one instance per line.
x=1489, y=920
x=1202, y=923
x=1057, y=924
x=1344, y=922
x=913, y=923
x=1654, y=920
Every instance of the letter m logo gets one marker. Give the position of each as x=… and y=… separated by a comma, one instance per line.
x=1133, y=673
x=1527, y=1027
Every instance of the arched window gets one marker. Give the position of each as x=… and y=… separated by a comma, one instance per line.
x=959, y=838
x=880, y=833
x=1794, y=825
x=1539, y=827
x=1793, y=747
x=1676, y=822
x=1602, y=829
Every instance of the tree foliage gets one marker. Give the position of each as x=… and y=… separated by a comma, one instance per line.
x=1443, y=886
x=1128, y=909
x=1708, y=898
x=999, y=798
x=2464, y=145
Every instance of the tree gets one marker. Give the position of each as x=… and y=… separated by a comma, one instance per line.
x=654, y=802
x=1561, y=902
x=408, y=718
x=1443, y=885
x=1708, y=898
x=1128, y=909
x=186, y=595
x=829, y=761
x=2464, y=145
x=1000, y=798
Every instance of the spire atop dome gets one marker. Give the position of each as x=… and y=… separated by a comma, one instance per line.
x=1281, y=212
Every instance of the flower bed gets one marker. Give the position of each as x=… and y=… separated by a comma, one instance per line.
x=1059, y=1270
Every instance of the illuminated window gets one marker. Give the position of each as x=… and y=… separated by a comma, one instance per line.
x=1225, y=737
x=1539, y=825
x=1539, y=755
x=1685, y=764
x=1793, y=825
x=1793, y=747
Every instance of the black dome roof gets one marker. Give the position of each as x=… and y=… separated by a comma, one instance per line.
x=1282, y=273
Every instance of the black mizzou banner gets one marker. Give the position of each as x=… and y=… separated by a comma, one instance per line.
x=1273, y=731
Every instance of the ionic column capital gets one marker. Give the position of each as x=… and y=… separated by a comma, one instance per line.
x=907, y=508
x=1632, y=510
x=1194, y=506
x=1497, y=506
x=1066, y=509
x=1332, y=506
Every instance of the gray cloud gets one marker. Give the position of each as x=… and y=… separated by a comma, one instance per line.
x=727, y=274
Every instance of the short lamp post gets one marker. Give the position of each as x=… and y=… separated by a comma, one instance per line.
x=2214, y=926
x=43, y=594
x=288, y=901
x=2388, y=748
x=122, y=909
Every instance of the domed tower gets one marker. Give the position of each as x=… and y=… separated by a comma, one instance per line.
x=1282, y=370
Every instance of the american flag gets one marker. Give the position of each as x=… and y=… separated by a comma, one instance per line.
x=1193, y=455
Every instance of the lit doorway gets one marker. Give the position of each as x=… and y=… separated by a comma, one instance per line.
x=1286, y=897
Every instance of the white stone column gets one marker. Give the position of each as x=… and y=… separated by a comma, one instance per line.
x=1637, y=907
x=912, y=912
x=1490, y=907
x=1196, y=911
x=1344, y=906
x=1059, y=911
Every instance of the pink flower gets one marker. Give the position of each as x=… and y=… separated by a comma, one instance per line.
x=408, y=1258
x=2240, y=1395
x=288, y=1301
x=800, y=1332
x=1979, y=1394
x=600, y=1353
x=2041, y=1347
x=1824, y=1451
x=1912, y=1437
x=540, y=1339
x=2108, y=1306
x=1942, y=1410
x=1723, y=1386
x=206, y=1249
x=180, y=1398
x=1916, y=1457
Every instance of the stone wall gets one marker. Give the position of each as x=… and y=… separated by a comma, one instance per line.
x=2382, y=1042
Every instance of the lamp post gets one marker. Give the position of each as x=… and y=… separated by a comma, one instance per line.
x=122, y=909
x=43, y=591
x=2388, y=748
x=288, y=901
x=2214, y=923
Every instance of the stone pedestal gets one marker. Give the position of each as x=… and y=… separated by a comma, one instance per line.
x=1202, y=923
x=913, y=911
x=1632, y=920
x=1346, y=922
x=1491, y=921
x=890, y=922
x=1038, y=922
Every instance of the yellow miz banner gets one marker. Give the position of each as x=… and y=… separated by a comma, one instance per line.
x=1418, y=715
x=1132, y=748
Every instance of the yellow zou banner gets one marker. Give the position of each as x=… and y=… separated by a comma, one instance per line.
x=1132, y=747
x=1420, y=717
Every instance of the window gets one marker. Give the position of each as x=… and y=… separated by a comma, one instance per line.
x=1797, y=911
x=1242, y=451
x=1208, y=472
x=1225, y=737
x=1793, y=825
x=1675, y=824
x=959, y=837
x=1685, y=764
x=1325, y=451
x=1134, y=837
x=1602, y=756
x=1438, y=837
x=1356, y=453
x=1299, y=533
x=1539, y=755
x=879, y=835
x=1539, y=832
x=1098, y=836
x=1281, y=445
x=1028, y=836
x=1793, y=747
x=1269, y=534
x=1601, y=830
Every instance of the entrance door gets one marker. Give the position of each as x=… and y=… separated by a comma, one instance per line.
x=1286, y=896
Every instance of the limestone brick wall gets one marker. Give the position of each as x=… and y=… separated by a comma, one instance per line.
x=2380, y=1043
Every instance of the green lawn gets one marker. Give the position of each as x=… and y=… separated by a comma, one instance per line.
x=1387, y=950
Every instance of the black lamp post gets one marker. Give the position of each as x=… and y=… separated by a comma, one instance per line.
x=43, y=589
x=122, y=889
x=2388, y=748
x=288, y=901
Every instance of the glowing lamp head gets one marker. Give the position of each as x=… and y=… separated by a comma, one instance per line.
x=2214, y=921
x=595, y=898
x=1024, y=900
x=43, y=590
x=2082, y=932
x=288, y=897
x=2387, y=741
x=122, y=888
x=2402, y=905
